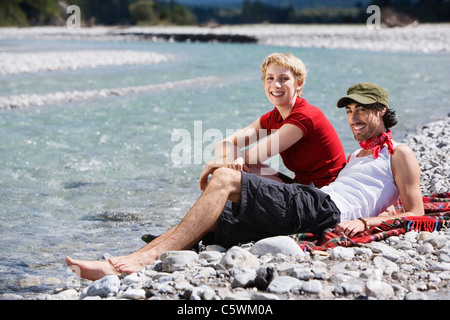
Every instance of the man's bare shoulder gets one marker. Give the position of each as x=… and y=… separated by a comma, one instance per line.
x=404, y=150
x=403, y=154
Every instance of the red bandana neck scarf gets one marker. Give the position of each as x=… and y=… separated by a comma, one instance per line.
x=377, y=143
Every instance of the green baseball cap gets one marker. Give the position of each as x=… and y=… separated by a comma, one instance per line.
x=365, y=93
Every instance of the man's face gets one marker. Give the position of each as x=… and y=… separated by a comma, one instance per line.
x=365, y=123
x=280, y=86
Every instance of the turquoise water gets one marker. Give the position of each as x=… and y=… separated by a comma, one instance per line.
x=85, y=178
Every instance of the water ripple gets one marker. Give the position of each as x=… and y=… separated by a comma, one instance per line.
x=29, y=100
x=18, y=63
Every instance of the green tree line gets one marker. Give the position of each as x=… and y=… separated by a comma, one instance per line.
x=28, y=12
x=256, y=11
x=151, y=12
x=102, y=12
x=125, y=12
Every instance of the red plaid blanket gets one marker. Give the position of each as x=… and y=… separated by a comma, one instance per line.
x=437, y=215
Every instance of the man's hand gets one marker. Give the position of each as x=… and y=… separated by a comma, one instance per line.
x=203, y=180
x=350, y=228
x=211, y=166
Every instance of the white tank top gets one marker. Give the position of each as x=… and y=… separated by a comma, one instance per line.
x=365, y=187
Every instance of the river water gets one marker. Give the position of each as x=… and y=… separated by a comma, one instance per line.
x=90, y=176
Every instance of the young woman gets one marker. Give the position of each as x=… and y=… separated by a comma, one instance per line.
x=298, y=131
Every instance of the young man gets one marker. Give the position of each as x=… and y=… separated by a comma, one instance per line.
x=373, y=179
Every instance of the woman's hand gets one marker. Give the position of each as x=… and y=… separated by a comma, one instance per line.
x=238, y=164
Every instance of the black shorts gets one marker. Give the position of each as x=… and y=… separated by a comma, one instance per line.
x=268, y=208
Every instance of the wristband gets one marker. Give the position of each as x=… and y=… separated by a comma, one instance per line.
x=366, y=224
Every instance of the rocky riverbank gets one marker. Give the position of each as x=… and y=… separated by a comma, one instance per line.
x=412, y=266
x=432, y=148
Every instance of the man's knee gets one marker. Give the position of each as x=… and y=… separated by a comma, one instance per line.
x=225, y=176
x=227, y=179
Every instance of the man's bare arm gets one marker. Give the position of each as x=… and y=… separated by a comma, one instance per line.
x=406, y=171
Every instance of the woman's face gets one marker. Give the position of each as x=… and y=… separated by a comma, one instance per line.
x=281, y=86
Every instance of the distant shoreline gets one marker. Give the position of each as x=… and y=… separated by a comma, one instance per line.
x=423, y=38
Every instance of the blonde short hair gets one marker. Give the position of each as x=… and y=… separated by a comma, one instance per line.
x=290, y=61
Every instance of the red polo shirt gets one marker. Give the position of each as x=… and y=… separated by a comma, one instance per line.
x=319, y=155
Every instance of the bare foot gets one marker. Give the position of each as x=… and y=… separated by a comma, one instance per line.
x=134, y=262
x=91, y=270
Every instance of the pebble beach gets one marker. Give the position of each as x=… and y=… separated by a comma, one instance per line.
x=412, y=266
